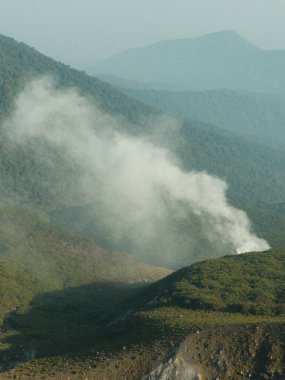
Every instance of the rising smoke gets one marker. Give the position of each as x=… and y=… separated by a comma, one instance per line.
x=148, y=205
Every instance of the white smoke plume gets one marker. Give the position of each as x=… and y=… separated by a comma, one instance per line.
x=142, y=196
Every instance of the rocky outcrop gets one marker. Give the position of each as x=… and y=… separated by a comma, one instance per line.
x=176, y=368
x=255, y=352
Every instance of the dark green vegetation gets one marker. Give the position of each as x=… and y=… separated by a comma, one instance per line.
x=19, y=63
x=254, y=174
x=260, y=117
x=252, y=283
x=216, y=60
x=71, y=326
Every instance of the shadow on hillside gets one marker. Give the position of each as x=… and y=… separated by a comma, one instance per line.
x=70, y=321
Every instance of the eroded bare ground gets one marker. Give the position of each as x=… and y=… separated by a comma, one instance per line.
x=232, y=352
x=227, y=352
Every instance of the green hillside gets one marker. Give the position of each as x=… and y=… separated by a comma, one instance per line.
x=36, y=257
x=254, y=172
x=70, y=334
x=252, y=283
x=19, y=63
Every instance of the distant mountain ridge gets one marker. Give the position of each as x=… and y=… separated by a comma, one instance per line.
x=258, y=116
x=216, y=60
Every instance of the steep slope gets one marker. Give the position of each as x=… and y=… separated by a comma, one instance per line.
x=19, y=63
x=256, y=116
x=217, y=60
x=239, y=161
x=48, y=184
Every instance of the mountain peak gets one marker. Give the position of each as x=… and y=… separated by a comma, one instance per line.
x=227, y=36
x=215, y=60
x=225, y=32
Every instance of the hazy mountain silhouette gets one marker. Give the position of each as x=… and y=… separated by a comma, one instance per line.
x=217, y=60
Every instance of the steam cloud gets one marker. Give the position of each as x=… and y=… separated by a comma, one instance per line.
x=147, y=203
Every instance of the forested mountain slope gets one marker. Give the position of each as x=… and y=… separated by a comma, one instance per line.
x=254, y=173
x=260, y=117
x=19, y=63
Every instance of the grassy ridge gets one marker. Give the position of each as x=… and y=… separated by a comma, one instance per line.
x=77, y=325
x=252, y=283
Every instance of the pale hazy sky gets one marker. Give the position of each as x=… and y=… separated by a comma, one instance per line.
x=80, y=32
